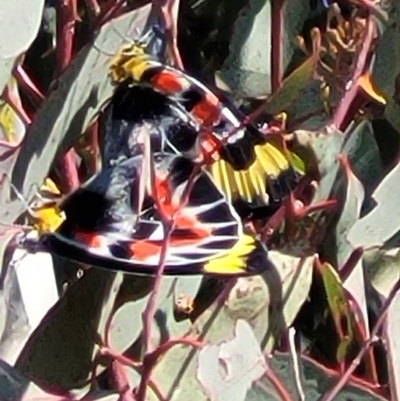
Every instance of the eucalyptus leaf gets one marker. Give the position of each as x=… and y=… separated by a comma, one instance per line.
x=292, y=87
x=82, y=91
x=383, y=221
x=28, y=297
x=245, y=365
x=126, y=319
x=269, y=303
x=293, y=16
x=247, y=70
x=14, y=386
x=60, y=351
x=12, y=383
x=316, y=380
x=354, y=198
x=393, y=345
x=385, y=68
x=382, y=267
x=362, y=150
x=20, y=21
x=12, y=129
x=355, y=282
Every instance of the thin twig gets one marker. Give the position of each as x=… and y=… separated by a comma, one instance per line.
x=110, y=11
x=66, y=19
x=277, y=384
x=163, y=348
x=168, y=223
x=26, y=83
x=170, y=10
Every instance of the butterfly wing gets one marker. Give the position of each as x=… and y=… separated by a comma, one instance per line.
x=255, y=170
x=112, y=233
x=249, y=168
x=248, y=257
x=170, y=128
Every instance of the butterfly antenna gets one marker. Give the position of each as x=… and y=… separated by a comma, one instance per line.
x=15, y=226
x=145, y=39
x=124, y=38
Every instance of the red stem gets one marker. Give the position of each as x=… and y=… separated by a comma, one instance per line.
x=68, y=171
x=66, y=18
x=169, y=10
x=27, y=84
x=93, y=158
x=165, y=347
x=278, y=385
x=148, y=314
x=351, y=263
x=110, y=11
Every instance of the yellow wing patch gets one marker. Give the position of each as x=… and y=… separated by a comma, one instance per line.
x=47, y=215
x=252, y=183
x=131, y=61
x=47, y=218
x=235, y=262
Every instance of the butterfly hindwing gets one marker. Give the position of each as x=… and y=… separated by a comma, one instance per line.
x=115, y=235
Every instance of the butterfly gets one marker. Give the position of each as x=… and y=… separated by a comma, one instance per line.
x=246, y=165
x=115, y=221
x=171, y=130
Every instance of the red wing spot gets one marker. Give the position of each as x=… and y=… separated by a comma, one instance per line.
x=191, y=224
x=164, y=197
x=170, y=208
x=208, y=110
x=210, y=146
x=91, y=240
x=141, y=250
x=170, y=82
x=185, y=234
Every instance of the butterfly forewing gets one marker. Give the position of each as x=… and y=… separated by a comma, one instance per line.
x=248, y=165
x=171, y=129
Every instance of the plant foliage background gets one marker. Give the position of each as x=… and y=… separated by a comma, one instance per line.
x=323, y=324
